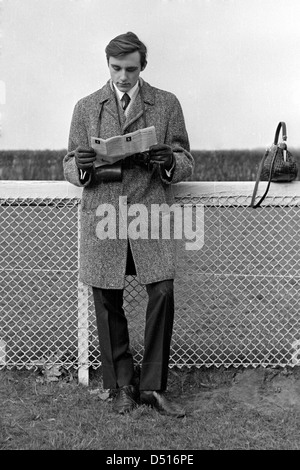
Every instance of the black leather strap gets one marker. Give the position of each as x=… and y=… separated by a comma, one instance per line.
x=253, y=205
x=281, y=126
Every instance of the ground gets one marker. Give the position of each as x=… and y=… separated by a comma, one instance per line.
x=226, y=409
x=264, y=389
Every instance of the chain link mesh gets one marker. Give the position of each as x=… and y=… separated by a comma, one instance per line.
x=236, y=298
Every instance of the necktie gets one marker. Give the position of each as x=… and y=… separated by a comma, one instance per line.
x=125, y=101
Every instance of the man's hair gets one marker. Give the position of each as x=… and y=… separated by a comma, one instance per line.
x=126, y=44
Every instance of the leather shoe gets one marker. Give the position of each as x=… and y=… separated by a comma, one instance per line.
x=125, y=399
x=159, y=401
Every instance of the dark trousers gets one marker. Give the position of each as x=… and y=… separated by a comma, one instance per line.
x=116, y=357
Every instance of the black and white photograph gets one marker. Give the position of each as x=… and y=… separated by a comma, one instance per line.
x=149, y=228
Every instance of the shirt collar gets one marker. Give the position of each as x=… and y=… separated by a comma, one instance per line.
x=131, y=92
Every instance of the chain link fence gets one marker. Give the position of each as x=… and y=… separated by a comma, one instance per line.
x=237, y=296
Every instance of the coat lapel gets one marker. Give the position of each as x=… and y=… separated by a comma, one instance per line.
x=135, y=112
x=111, y=107
x=140, y=105
x=143, y=101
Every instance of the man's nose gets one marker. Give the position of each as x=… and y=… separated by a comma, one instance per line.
x=123, y=75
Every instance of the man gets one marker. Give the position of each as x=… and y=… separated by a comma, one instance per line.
x=140, y=179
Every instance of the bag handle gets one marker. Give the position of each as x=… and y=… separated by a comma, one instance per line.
x=254, y=206
x=281, y=126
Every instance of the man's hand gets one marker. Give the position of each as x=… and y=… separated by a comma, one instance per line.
x=161, y=154
x=85, y=158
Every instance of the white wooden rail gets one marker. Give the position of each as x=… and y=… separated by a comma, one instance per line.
x=62, y=189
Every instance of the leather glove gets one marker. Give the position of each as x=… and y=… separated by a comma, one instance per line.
x=161, y=154
x=85, y=158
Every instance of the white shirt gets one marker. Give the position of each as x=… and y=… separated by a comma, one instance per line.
x=132, y=93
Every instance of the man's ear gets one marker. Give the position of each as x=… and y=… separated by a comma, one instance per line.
x=145, y=64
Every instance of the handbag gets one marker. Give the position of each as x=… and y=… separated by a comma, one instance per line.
x=277, y=165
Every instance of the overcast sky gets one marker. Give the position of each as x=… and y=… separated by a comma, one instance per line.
x=233, y=64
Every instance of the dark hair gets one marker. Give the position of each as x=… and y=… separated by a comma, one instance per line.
x=126, y=44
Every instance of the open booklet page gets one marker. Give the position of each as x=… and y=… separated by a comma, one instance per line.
x=121, y=146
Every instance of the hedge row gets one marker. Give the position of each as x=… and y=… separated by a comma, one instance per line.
x=31, y=164
x=219, y=165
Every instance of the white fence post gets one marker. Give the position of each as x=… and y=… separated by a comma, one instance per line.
x=83, y=334
x=83, y=325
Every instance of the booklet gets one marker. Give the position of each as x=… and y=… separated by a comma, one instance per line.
x=121, y=146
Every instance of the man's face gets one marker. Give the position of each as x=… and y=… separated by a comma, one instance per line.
x=125, y=70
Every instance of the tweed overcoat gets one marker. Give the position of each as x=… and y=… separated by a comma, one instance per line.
x=103, y=260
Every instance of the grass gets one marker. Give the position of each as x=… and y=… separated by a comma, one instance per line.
x=40, y=415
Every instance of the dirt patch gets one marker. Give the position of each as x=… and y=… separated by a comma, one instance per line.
x=266, y=390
